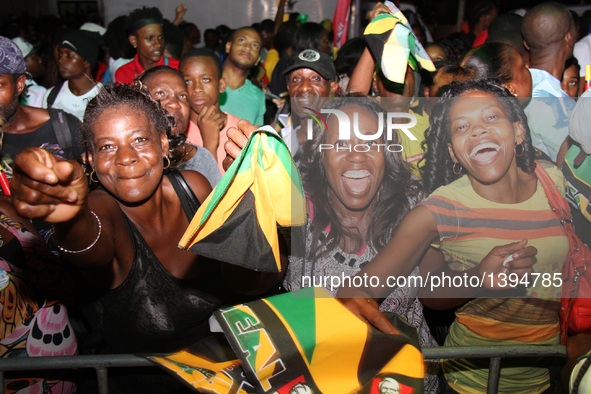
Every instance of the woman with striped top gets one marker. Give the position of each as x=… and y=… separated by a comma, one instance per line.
x=479, y=171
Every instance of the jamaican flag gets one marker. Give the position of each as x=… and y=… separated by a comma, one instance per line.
x=225, y=377
x=394, y=45
x=306, y=342
x=237, y=223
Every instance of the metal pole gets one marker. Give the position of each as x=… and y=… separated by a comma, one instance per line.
x=493, y=375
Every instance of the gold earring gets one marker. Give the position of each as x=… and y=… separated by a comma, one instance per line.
x=167, y=164
x=91, y=178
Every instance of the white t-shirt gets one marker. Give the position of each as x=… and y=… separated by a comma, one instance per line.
x=582, y=52
x=69, y=102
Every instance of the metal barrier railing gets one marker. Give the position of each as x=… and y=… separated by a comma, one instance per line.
x=101, y=363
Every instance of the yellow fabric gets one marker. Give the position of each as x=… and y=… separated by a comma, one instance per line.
x=271, y=62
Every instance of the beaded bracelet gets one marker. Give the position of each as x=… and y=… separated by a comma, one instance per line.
x=100, y=230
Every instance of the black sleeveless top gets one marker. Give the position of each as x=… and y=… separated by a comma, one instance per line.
x=152, y=311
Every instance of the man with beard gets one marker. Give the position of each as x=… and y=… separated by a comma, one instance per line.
x=310, y=78
x=56, y=131
x=242, y=98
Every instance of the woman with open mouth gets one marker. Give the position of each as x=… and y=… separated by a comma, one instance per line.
x=358, y=192
x=484, y=193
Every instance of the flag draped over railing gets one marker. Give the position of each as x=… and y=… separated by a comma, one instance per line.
x=306, y=341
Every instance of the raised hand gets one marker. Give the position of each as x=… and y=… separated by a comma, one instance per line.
x=46, y=187
x=211, y=121
x=237, y=138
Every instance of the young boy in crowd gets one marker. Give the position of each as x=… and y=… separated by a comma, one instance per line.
x=202, y=72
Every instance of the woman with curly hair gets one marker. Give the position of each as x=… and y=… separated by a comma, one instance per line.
x=137, y=291
x=479, y=171
x=356, y=200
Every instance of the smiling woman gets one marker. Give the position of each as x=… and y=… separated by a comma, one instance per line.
x=480, y=172
x=356, y=200
x=138, y=292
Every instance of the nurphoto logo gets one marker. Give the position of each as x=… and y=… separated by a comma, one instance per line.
x=388, y=123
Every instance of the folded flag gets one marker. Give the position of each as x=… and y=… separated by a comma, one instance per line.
x=394, y=45
x=308, y=341
x=237, y=223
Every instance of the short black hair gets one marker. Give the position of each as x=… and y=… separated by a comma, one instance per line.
x=141, y=17
x=204, y=52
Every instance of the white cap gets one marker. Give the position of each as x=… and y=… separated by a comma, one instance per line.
x=89, y=26
x=25, y=46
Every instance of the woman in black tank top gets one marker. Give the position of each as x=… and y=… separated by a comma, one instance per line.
x=139, y=293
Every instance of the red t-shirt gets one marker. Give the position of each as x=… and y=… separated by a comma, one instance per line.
x=130, y=71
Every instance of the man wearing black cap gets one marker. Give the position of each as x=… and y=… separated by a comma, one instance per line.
x=311, y=78
x=25, y=126
x=78, y=56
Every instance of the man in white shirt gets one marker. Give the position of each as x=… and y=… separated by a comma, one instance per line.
x=78, y=56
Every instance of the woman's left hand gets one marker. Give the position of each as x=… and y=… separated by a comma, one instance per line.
x=514, y=258
x=367, y=309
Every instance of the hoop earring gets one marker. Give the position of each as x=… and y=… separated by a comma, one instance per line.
x=91, y=178
x=519, y=152
x=167, y=163
x=455, y=168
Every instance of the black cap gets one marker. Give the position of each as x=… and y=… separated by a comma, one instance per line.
x=314, y=60
x=83, y=43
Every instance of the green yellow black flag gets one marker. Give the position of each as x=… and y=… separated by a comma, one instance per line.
x=394, y=45
x=302, y=342
x=237, y=223
x=307, y=340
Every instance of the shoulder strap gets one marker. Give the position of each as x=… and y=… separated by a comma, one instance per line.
x=166, y=60
x=62, y=131
x=555, y=199
x=53, y=94
x=188, y=199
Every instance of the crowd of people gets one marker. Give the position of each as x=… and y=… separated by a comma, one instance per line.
x=113, y=136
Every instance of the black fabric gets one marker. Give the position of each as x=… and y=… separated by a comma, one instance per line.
x=188, y=199
x=150, y=312
x=62, y=131
x=278, y=84
x=53, y=94
x=43, y=137
x=246, y=249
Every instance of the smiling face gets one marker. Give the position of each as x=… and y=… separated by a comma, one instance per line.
x=310, y=89
x=170, y=89
x=149, y=43
x=203, y=82
x=353, y=177
x=127, y=154
x=245, y=48
x=483, y=138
